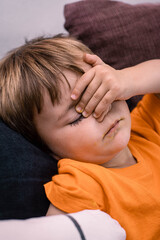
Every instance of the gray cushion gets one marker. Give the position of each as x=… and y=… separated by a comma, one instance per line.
x=23, y=171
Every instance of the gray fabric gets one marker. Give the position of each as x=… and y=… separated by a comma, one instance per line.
x=23, y=171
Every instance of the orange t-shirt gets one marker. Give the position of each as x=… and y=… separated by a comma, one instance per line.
x=130, y=195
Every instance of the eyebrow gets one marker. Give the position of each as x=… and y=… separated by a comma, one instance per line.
x=71, y=105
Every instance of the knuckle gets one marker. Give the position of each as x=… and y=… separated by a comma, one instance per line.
x=105, y=100
x=97, y=67
x=88, y=109
x=85, y=97
x=110, y=78
x=116, y=86
x=94, y=55
x=96, y=96
x=88, y=92
x=100, y=70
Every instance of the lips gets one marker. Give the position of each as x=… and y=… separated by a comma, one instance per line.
x=113, y=126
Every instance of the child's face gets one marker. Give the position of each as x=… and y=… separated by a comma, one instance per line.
x=69, y=135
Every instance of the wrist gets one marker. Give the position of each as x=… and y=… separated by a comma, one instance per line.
x=128, y=82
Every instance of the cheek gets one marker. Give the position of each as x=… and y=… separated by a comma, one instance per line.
x=66, y=140
x=77, y=135
x=123, y=111
x=122, y=107
x=76, y=140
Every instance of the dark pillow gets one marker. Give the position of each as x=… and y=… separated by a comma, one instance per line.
x=121, y=34
x=23, y=171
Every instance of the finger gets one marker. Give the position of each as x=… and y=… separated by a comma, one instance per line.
x=103, y=115
x=82, y=83
x=94, y=100
x=92, y=59
x=90, y=94
x=104, y=104
x=101, y=118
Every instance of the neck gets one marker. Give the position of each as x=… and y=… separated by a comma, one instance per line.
x=121, y=160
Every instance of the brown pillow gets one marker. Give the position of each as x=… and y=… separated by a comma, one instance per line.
x=121, y=34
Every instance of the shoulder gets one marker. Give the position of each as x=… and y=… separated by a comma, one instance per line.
x=148, y=108
x=146, y=118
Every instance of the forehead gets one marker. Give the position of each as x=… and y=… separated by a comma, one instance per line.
x=71, y=78
x=66, y=86
x=69, y=82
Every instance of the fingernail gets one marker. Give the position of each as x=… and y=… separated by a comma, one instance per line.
x=79, y=109
x=73, y=96
x=95, y=115
x=85, y=114
x=100, y=119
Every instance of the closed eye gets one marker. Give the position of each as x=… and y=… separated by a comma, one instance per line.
x=77, y=121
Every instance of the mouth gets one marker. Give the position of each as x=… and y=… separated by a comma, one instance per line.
x=113, y=127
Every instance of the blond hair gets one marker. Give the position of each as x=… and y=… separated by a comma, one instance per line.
x=26, y=71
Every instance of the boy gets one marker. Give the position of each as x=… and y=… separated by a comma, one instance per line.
x=72, y=104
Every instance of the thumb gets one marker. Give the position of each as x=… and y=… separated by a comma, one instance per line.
x=92, y=59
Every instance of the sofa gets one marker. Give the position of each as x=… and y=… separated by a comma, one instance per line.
x=122, y=34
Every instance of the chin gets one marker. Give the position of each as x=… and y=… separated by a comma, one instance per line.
x=122, y=140
x=117, y=145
